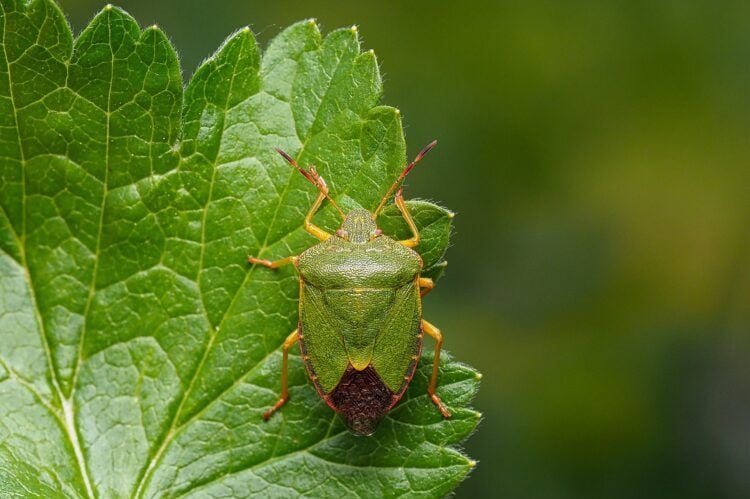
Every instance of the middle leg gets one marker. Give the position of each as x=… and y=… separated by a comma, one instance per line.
x=425, y=286
x=272, y=265
x=288, y=343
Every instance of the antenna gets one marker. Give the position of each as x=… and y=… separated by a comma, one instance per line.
x=403, y=175
x=314, y=178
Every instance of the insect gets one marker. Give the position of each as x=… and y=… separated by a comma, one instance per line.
x=360, y=322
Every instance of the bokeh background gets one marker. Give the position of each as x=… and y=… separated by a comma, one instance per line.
x=598, y=156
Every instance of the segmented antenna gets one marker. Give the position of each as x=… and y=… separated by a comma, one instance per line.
x=403, y=175
x=312, y=175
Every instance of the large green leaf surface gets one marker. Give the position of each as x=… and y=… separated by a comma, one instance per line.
x=138, y=349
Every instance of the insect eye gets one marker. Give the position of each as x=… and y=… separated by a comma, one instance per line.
x=342, y=234
x=377, y=233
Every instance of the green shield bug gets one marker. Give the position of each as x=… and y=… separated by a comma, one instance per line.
x=360, y=322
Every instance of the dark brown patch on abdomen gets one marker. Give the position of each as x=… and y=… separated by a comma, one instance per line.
x=362, y=399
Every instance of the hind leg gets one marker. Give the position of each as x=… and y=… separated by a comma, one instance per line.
x=437, y=335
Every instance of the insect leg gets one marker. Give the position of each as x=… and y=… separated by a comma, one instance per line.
x=425, y=286
x=272, y=265
x=311, y=227
x=414, y=240
x=435, y=333
x=288, y=343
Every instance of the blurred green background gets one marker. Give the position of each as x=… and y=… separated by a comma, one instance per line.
x=597, y=155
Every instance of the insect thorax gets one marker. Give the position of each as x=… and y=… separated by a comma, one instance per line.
x=376, y=262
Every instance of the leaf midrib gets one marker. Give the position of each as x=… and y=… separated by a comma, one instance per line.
x=69, y=404
x=173, y=428
x=144, y=478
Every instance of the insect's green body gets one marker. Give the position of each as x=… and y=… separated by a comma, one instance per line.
x=360, y=312
x=360, y=306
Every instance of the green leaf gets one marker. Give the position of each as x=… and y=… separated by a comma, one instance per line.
x=20, y=480
x=138, y=350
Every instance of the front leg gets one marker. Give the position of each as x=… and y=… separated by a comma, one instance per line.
x=310, y=227
x=401, y=204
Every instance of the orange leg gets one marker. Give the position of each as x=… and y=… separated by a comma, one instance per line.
x=288, y=343
x=435, y=333
x=425, y=285
x=275, y=264
x=414, y=240
x=311, y=227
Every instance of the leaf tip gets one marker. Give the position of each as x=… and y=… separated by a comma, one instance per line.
x=354, y=29
x=312, y=25
x=478, y=376
x=110, y=12
x=472, y=463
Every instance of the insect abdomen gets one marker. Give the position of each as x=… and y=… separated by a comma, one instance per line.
x=362, y=399
x=358, y=315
